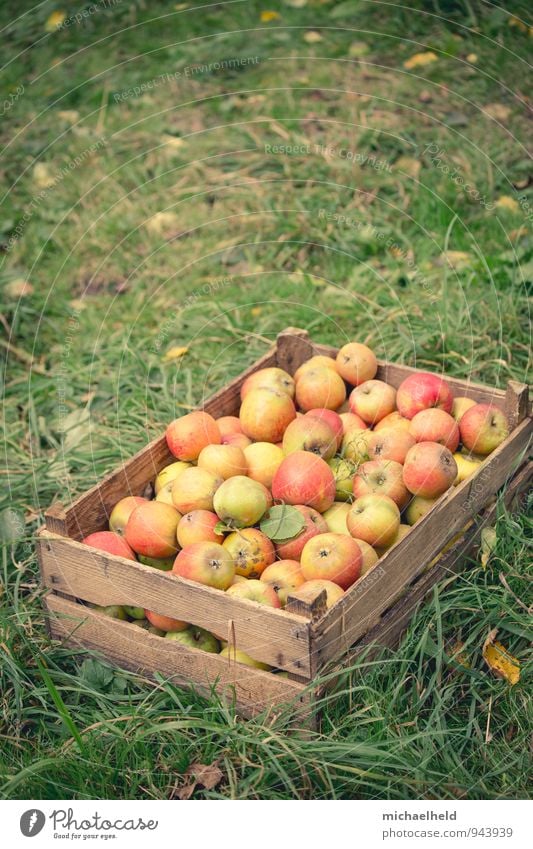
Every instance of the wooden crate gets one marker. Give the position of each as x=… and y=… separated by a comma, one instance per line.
x=301, y=640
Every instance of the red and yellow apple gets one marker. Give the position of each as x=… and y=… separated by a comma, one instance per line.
x=308, y=433
x=483, y=427
x=355, y=445
x=332, y=557
x=374, y=519
x=335, y=517
x=251, y=551
x=195, y=489
x=151, y=529
x=356, y=363
x=198, y=526
x=382, y=477
x=111, y=543
x=320, y=387
x=284, y=576
x=403, y=530
x=122, y=511
x=169, y=473
x=333, y=591
x=304, y=478
x=223, y=461
x=418, y=507
x=269, y=378
x=265, y=414
x=423, y=390
x=263, y=460
x=466, y=466
x=228, y=426
x=460, y=405
x=394, y=419
x=194, y=637
x=238, y=439
x=165, y=623
x=373, y=400
x=390, y=443
x=318, y=361
x=435, y=425
x=350, y=420
x=187, y=435
x=332, y=419
x=237, y=656
x=206, y=563
x=258, y=591
x=370, y=555
x=429, y=469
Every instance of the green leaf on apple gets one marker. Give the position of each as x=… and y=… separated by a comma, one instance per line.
x=222, y=528
x=282, y=522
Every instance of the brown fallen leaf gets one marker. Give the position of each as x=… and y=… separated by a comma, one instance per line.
x=408, y=165
x=312, y=37
x=198, y=775
x=457, y=259
x=498, y=111
x=18, y=288
x=499, y=661
x=458, y=655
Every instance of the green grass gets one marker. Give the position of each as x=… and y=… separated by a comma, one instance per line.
x=254, y=246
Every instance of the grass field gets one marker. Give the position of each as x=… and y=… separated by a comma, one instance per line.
x=203, y=175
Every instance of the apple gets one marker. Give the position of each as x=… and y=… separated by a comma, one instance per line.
x=122, y=511
x=151, y=529
x=374, y=519
x=195, y=638
x=318, y=361
x=304, y=478
x=356, y=363
x=187, y=435
x=198, y=526
x=435, y=425
x=460, y=405
x=382, y=477
x=483, y=427
x=265, y=413
x=165, y=494
x=114, y=611
x=195, y=490
x=284, y=576
x=343, y=471
x=111, y=543
x=257, y=591
x=169, y=474
x=350, y=420
x=421, y=391
x=228, y=425
x=269, y=378
x=370, y=555
x=355, y=445
x=165, y=623
x=320, y=387
x=394, y=419
x=335, y=517
x=332, y=557
x=238, y=656
x=429, y=469
x=134, y=612
x=391, y=443
x=238, y=439
x=418, y=507
x=310, y=434
x=165, y=564
x=240, y=502
x=403, y=530
x=466, y=466
x=251, y=551
x=333, y=420
x=373, y=400
x=314, y=524
x=263, y=460
x=238, y=579
x=206, y=563
x=223, y=461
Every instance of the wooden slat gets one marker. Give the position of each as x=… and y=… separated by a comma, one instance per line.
x=90, y=512
x=133, y=648
x=293, y=348
x=276, y=637
x=357, y=610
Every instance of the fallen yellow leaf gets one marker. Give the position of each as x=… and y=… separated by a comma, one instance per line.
x=420, y=60
x=174, y=354
x=266, y=17
x=162, y=223
x=18, y=288
x=70, y=115
x=507, y=203
x=54, y=21
x=500, y=661
x=256, y=311
x=497, y=110
x=515, y=22
x=459, y=655
x=472, y=58
x=312, y=37
x=488, y=544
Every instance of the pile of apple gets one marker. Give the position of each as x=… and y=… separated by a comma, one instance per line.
x=306, y=487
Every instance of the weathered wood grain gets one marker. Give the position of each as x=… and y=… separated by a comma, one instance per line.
x=276, y=637
x=133, y=648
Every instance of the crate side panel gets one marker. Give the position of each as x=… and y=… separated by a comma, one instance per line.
x=133, y=648
x=276, y=637
x=358, y=610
